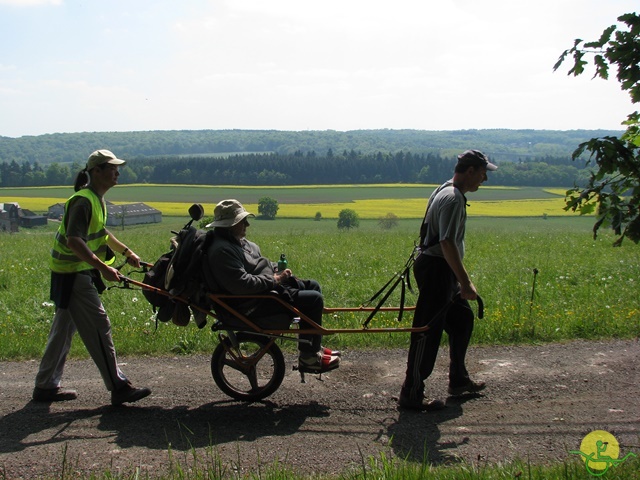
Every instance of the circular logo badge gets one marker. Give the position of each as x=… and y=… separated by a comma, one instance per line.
x=600, y=448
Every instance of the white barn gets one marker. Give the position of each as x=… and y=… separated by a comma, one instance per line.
x=132, y=214
x=119, y=215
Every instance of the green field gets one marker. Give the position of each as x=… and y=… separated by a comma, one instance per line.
x=298, y=194
x=584, y=289
x=369, y=201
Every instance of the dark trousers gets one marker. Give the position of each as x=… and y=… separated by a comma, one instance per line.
x=440, y=307
x=309, y=301
x=306, y=296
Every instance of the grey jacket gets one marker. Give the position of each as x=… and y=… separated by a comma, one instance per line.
x=238, y=267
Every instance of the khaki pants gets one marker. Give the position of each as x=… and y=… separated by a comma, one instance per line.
x=86, y=315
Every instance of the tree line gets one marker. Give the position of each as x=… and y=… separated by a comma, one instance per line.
x=499, y=144
x=303, y=168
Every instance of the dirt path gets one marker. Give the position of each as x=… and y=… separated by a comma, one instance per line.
x=540, y=402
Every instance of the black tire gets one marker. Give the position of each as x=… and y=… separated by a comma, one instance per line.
x=234, y=371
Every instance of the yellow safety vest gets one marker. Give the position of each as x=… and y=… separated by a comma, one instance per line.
x=63, y=260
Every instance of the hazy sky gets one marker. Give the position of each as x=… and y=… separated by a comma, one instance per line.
x=123, y=65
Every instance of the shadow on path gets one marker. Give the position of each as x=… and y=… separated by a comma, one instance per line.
x=155, y=427
x=416, y=435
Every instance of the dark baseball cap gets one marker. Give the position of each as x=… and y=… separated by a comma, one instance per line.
x=477, y=159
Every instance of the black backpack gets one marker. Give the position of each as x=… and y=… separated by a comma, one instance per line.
x=179, y=272
x=184, y=273
x=155, y=277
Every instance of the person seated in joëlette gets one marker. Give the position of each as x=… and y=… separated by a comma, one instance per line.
x=238, y=268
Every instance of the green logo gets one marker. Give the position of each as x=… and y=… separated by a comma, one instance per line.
x=600, y=450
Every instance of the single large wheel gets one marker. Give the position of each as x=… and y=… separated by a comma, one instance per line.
x=250, y=371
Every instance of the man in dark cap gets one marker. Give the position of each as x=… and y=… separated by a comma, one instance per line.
x=445, y=286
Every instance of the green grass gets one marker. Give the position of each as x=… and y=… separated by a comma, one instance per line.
x=211, y=467
x=584, y=289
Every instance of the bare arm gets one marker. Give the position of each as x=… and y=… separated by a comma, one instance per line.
x=452, y=256
x=119, y=247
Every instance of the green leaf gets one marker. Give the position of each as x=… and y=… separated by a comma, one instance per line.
x=633, y=230
x=560, y=60
x=602, y=67
x=604, y=38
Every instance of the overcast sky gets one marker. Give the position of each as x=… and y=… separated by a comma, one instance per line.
x=124, y=65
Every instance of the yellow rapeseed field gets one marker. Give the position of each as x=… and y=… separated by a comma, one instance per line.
x=366, y=209
x=34, y=204
x=414, y=208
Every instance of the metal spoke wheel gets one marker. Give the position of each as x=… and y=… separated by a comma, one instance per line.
x=249, y=371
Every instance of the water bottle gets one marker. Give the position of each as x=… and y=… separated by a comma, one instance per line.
x=282, y=263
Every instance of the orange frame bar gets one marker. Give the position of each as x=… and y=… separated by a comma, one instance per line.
x=315, y=329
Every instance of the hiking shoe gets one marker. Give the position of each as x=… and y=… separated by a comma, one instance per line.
x=53, y=394
x=331, y=353
x=128, y=394
x=469, y=387
x=422, y=405
x=318, y=363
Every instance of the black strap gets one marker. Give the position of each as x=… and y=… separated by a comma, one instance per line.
x=423, y=225
x=424, y=245
x=402, y=296
x=402, y=277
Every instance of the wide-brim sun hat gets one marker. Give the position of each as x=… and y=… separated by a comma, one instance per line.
x=228, y=213
x=100, y=157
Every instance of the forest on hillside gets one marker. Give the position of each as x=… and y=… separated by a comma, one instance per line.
x=243, y=157
x=500, y=144
x=302, y=169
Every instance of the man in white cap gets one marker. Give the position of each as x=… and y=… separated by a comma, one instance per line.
x=238, y=268
x=82, y=253
x=443, y=280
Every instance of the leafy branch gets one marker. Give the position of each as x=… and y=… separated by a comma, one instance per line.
x=613, y=189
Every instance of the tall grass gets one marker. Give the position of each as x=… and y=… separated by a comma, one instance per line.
x=585, y=288
x=209, y=466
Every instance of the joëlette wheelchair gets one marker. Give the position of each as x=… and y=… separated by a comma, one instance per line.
x=248, y=364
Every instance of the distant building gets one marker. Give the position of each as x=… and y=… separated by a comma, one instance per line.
x=132, y=214
x=12, y=217
x=28, y=219
x=118, y=215
x=9, y=217
x=56, y=211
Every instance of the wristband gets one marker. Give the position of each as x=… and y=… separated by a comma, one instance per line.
x=124, y=252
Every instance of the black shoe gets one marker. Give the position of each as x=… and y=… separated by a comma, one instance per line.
x=128, y=394
x=469, y=387
x=53, y=395
x=428, y=406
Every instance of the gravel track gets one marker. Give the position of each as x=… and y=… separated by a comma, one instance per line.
x=539, y=404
